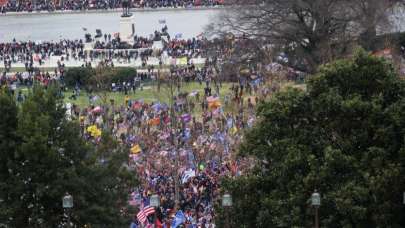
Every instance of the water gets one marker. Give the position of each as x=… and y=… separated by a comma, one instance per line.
x=48, y=27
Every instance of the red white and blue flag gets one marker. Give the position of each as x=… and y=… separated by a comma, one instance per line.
x=143, y=214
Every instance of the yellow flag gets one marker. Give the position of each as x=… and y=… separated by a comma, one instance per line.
x=234, y=130
x=182, y=61
x=91, y=128
x=136, y=149
x=94, y=131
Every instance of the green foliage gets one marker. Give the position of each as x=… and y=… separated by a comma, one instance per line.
x=50, y=159
x=343, y=136
x=87, y=76
x=79, y=75
x=123, y=74
x=8, y=143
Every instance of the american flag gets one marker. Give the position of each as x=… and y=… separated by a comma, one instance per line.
x=143, y=214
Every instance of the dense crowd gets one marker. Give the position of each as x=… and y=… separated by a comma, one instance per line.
x=200, y=134
x=189, y=141
x=107, y=48
x=202, y=145
x=62, y=5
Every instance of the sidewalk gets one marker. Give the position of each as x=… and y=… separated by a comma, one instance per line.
x=153, y=61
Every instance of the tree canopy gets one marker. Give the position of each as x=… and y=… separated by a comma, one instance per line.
x=343, y=136
x=308, y=32
x=43, y=156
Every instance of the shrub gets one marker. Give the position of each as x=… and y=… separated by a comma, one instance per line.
x=80, y=75
x=123, y=74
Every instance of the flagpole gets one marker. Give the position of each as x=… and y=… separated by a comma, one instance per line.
x=174, y=144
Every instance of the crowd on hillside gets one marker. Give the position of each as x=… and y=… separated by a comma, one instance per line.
x=190, y=141
x=62, y=5
x=200, y=134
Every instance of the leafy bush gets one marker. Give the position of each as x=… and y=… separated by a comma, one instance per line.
x=123, y=74
x=80, y=75
x=83, y=75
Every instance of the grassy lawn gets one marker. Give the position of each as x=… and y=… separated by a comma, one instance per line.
x=149, y=94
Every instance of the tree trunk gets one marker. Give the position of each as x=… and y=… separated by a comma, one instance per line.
x=368, y=38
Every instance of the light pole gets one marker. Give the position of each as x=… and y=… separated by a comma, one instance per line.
x=67, y=203
x=403, y=197
x=316, y=203
x=158, y=75
x=227, y=203
x=155, y=202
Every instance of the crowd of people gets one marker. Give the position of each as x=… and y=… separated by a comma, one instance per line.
x=30, y=52
x=179, y=149
x=190, y=141
x=80, y=5
x=107, y=48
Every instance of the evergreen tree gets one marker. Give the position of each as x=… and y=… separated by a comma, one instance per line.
x=344, y=136
x=8, y=144
x=50, y=159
